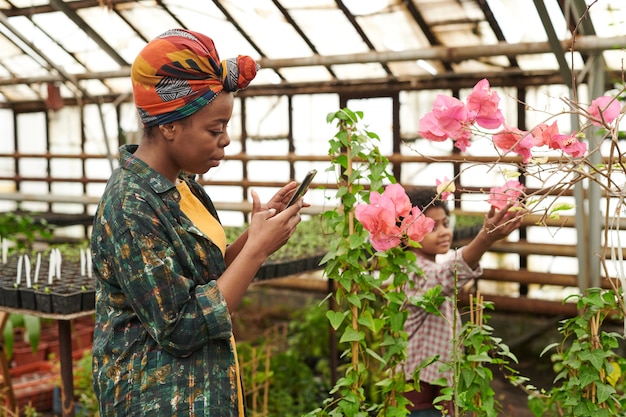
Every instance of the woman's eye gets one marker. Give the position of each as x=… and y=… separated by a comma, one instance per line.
x=222, y=129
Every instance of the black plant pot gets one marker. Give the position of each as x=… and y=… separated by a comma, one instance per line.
x=313, y=262
x=66, y=302
x=285, y=268
x=89, y=300
x=27, y=299
x=12, y=297
x=2, y=296
x=44, y=301
x=266, y=271
x=260, y=274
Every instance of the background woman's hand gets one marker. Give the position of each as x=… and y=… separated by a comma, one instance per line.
x=500, y=223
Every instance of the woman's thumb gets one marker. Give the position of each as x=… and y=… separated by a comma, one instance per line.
x=256, y=205
x=256, y=201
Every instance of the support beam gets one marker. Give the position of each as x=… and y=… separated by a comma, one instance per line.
x=555, y=44
x=452, y=54
x=449, y=54
x=93, y=35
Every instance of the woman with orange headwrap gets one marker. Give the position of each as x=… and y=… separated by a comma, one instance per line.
x=166, y=279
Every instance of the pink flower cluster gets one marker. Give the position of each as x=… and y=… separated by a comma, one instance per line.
x=510, y=192
x=389, y=218
x=604, y=109
x=520, y=142
x=451, y=118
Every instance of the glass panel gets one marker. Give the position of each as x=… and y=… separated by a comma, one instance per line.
x=31, y=133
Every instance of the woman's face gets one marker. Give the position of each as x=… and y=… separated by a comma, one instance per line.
x=439, y=240
x=199, y=141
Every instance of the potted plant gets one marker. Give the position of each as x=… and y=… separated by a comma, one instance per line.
x=27, y=328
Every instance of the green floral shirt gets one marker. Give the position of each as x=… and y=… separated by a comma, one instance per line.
x=162, y=338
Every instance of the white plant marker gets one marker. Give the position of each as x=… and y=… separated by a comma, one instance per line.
x=58, y=263
x=27, y=270
x=82, y=263
x=51, y=266
x=18, y=278
x=37, y=268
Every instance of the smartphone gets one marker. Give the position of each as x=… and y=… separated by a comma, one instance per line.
x=304, y=186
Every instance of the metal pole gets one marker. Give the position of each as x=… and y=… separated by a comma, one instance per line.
x=67, y=378
x=596, y=89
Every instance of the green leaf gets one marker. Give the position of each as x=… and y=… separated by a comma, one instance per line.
x=335, y=318
x=549, y=347
x=370, y=322
x=588, y=378
x=8, y=338
x=595, y=357
x=604, y=392
x=468, y=375
x=32, y=325
x=561, y=207
x=481, y=357
x=351, y=335
x=354, y=299
x=375, y=356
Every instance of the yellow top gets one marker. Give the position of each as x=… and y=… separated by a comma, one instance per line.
x=200, y=216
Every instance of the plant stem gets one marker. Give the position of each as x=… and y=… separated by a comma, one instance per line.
x=354, y=289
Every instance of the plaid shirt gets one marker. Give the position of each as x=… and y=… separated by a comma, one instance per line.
x=162, y=341
x=430, y=334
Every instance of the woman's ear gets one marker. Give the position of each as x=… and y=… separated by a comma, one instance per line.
x=168, y=130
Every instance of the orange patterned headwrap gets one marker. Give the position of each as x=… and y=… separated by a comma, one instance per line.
x=179, y=72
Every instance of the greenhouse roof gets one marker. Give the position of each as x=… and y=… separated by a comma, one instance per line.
x=86, y=47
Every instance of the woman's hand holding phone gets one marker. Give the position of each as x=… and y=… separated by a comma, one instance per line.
x=302, y=189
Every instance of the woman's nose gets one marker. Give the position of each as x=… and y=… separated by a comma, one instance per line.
x=225, y=140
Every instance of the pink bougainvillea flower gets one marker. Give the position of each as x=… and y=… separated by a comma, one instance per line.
x=462, y=142
x=385, y=241
x=448, y=119
x=416, y=225
x=378, y=215
x=429, y=128
x=398, y=197
x=376, y=218
x=445, y=188
x=451, y=115
x=381, y=216
x=508, y=138
x=542, y=134
x=510, y=192
x=381, y=223
x=568, y=144
x=511, y=139
x=604, y=108
x=482, y=106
